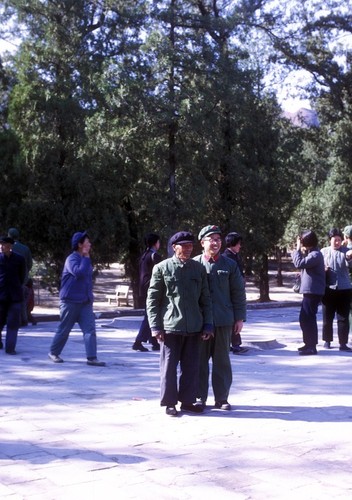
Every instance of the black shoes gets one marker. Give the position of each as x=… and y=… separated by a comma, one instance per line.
x=13, y=352
x=95, y=362
x=308, y=351
x=192, y=408
x=327, y=345
x=223, y=405
x=171, y=411
x=138, y=346
x=345, y=348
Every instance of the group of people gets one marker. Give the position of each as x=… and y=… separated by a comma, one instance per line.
x=325, y=279
x=76, y=295
x=195, y=307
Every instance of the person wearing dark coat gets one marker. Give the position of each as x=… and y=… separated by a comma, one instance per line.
x=12, y=276
x=233, y=242
x=149, y=258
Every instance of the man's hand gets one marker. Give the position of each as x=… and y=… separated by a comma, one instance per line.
x=159, y=336
x=237, y=327
x=206, y=335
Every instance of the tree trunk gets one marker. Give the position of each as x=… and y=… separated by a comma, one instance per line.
x=264, y=280
x=279, y=278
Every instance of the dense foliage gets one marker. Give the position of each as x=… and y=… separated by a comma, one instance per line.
x=125, y=117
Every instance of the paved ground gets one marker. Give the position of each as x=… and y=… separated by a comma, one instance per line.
x=72, y=431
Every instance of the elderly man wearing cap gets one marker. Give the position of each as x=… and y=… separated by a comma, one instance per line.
x=76, y=301
x=180, y=316
x=228, y=296
x=12, y=276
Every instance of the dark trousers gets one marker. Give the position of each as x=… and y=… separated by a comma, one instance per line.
x=10, y=315
x=145, y=334
x=308, y=319
x=236, y=339
x=336, y=302
x=218, y=349
x=180, y=350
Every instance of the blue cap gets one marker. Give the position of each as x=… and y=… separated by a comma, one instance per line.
x=78, y=238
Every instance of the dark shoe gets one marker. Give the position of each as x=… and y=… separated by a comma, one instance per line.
x=171, y=411
x=327, y=345
x=55, y=358
x=156, y=347
x=303, y=348
x=223, y=405
x=13, y=352
x=95, y=362
x=345, y=348
x=201, y=403
x=137, y=346
x=193, y=408
x=239, y=349
x=308, y=352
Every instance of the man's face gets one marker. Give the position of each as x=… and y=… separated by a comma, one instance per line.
x=183, y=251
x=6, y=248
x=211, y=244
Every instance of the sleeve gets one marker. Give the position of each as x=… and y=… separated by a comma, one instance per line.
x=156, y=292
x=22, y=269
x=302, y=262
x=238, y=293
x=78, y=266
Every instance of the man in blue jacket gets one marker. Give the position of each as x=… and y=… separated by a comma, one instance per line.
x=76, y=301
x=12, y=276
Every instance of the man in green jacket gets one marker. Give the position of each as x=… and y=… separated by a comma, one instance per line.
x=180, y=317
x=228, y=297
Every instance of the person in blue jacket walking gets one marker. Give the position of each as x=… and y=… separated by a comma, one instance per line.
x=76, y=301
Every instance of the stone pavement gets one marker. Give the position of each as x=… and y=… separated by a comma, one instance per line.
x=72, y=431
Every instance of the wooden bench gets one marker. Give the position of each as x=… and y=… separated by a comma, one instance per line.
x=120, y=295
